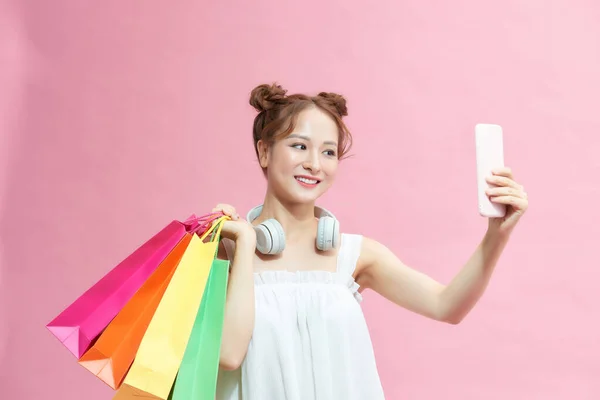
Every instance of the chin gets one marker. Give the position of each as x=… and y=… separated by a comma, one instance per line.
x=306, y=199
x=299, y=197
x=308, y=196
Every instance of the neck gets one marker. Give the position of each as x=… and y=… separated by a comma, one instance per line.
x=294, y=218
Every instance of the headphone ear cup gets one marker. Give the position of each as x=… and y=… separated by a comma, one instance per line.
x=336, y=233
x=270, y=238
x=327, y=233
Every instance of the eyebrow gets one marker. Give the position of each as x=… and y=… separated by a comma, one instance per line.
x=295, y=135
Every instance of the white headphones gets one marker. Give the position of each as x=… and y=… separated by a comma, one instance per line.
x=270, y=237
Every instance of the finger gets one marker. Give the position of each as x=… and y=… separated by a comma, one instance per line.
x=223, y=207
x=227, y=210
x=503, y=181
x=218, y=211
x=506, y=191
x=517, y=203
x=503, y=171
x=230, y=212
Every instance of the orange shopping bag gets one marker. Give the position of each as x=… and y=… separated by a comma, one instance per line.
x=114, y=351
x=159, y=356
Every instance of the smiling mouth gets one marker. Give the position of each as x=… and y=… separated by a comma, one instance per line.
x=307, y=181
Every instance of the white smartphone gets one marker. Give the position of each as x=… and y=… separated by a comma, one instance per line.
x=489, y=150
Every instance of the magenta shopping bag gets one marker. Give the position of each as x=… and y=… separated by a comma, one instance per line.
x=82, y=322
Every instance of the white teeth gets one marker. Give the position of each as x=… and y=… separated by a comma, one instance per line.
x=307, y=181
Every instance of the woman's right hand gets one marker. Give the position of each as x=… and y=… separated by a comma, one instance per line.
x=236, y=229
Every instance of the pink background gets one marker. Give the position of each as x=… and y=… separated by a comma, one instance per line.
x=117, y=117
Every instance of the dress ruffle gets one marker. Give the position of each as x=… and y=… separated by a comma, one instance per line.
x=309, y=276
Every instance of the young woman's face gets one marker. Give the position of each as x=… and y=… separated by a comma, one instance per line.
x=302, y=166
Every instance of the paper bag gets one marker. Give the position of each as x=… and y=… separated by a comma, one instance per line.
x=81, y=322
x=112, y=354
x=161, y=351
x=197, y=377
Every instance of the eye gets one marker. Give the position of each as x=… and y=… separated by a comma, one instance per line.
x=330, y=153
x=299, y=146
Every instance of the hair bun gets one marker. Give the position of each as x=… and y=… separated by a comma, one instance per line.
x=264, y=97
x=337, y=100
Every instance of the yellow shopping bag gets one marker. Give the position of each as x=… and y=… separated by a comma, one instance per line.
x=161, y=351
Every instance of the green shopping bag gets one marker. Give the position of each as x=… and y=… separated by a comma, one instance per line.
x=197, y=376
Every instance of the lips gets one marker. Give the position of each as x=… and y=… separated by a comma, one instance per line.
x=307, y=180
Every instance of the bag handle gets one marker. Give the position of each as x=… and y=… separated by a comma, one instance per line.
x=205, y=217
x=196, y=224
x=216, y=227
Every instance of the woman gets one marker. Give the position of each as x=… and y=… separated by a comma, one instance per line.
x=293, y=325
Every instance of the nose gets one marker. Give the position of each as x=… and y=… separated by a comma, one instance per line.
x=312, y=163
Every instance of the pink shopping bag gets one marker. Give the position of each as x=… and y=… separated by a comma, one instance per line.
x=81, y=323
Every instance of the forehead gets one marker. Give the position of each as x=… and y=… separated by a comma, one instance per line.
x=317, y=125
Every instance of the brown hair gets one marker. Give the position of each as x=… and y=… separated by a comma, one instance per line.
x=278, y=113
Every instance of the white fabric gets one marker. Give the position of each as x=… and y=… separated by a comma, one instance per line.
x=310, y=338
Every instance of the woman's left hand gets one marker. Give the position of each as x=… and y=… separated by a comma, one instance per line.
x=510, y=193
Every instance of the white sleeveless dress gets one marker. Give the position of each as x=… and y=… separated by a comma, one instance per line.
x=310, y=338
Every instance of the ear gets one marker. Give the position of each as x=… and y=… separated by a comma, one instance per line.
x=263, y=153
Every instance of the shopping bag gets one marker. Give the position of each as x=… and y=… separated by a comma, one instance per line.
x=82, y=321
x=161, y=350
x=197, y=377
x=112, y=354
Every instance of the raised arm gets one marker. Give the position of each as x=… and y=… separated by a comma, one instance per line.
x=381, y=270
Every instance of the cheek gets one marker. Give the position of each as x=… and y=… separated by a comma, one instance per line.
x=330, y=168
x=283, y=160
x=292, y=158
